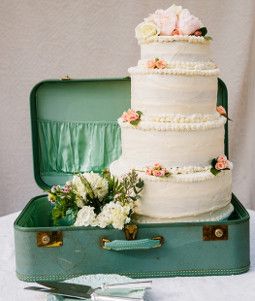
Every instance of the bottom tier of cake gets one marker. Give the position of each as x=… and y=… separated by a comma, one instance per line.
x=191, y=197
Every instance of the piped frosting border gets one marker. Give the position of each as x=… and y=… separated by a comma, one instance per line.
x=174, y=71
x=168, y=126
x=176, y=38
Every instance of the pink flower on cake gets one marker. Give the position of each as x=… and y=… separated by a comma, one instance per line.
x=197, y=33
x=157, y=64
x=221, y=110
x=188, y=23
x=176, y=32
x=222, y=158
x=220, y=163
x=148, y=171
x=165, y=20
x=157, y=171
x=132, y=116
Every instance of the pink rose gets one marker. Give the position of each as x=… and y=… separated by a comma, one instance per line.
x=220, y=165
x=148, y=171
x=221, y=110
x=176, y=32
x=197, y=33
x=130, y=115
x=161, y=64
x=157, y=165
x=158, y=173
x=125, y=117
x=188, y=23
x=222, y=158
x=151, y=64
x=165, y=21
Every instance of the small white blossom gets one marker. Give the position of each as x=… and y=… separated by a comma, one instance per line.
x=79, y=187
x=114, y=214
x=85, y=217
x=98, y=184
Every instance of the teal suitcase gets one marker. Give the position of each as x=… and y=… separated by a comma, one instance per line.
x=74, y=129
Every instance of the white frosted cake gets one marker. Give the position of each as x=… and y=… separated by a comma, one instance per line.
x=173, y=135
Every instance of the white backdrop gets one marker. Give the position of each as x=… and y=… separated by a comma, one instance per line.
x=95, y=38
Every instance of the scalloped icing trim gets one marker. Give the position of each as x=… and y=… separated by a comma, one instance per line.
x=183, y=65
x=166, y=71
x=168, y=39
x=219, y=214
x=187, y=178
x=167, y=126
x=181, y=118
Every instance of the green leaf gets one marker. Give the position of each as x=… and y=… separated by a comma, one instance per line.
x=140, y=183
x=203, y=31
x=214, y=171
x=135, y=122
x=213, y=163
x=139, y=113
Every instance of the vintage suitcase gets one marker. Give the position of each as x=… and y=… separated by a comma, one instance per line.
x=74, y=129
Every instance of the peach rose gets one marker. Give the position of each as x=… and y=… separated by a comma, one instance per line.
x=221, y=110
x=188, y=23
x=222, y=158
x=176, y=32
x=151, y=64
x=161, y=64
x=197, y=33
x=148, y=171
x=129, y=116
x=158, y=173
x=157, y=165
x=220, y=165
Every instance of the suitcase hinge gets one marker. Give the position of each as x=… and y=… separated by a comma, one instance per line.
x=215, y=232
x=130, y=231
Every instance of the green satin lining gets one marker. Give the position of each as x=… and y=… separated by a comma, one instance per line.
x=69, y=147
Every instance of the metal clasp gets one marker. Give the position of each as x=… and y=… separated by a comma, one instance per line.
x=66, y=77
x=130, y=231
x=51, y=239
x=215, y=232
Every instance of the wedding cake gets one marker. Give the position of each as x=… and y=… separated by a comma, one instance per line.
x=173, y=135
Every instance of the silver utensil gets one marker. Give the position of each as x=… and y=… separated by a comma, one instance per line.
x=79, y=291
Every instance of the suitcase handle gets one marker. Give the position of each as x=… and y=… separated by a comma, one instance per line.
x=126, y=245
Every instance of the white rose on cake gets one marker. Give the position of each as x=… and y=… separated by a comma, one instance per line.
x=146, y=30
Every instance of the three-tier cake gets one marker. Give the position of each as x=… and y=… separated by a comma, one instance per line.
x=173, y=135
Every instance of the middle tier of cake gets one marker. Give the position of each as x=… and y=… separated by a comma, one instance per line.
x=173, y=144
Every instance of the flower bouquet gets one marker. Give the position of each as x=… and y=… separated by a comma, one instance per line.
x=91, y=199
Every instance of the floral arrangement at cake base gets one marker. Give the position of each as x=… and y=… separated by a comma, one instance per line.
x=91, y=199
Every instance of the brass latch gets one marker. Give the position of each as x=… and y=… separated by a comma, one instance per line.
x=130, y=231
x=51, y=239
x=215, y=232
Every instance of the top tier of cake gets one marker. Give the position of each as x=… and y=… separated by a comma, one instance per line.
x=173, y=42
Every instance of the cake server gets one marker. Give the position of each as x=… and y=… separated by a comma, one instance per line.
x=79, y=291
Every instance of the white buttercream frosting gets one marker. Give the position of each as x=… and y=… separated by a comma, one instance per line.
x=159, y=94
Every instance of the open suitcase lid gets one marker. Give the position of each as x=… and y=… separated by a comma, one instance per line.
x=74, y=126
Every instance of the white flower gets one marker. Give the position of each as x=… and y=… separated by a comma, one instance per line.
x=85, y=217
x=188, y=23
x=98, y=184
x=114, y=214
x=79, y=187
x=146, y=30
